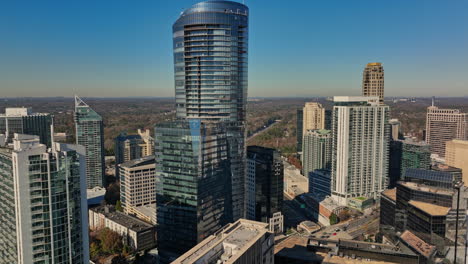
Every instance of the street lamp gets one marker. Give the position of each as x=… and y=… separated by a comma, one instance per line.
x=457, y=186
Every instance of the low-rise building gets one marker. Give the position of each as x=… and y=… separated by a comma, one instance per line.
x=424, y=250
x=244, y=241
x=360, y=203
x=136, y=233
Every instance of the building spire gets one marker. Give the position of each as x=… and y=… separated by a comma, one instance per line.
x=433, y=101
x=79, y=101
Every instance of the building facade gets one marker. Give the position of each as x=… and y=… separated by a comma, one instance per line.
x=316, y=151
x=137, y=184
x=373, y=81
x=90, y=134
x=130, y=147
x=210, y=42
x=443, y=125
x=299, y=135
x=44, y=205
x=244, y=241
x=360, y=148
x=396, y=129
x=265, y=180
x=319, y=183
x=456, y=155
x=192, y=184
x=25, y=121
x=313, y=117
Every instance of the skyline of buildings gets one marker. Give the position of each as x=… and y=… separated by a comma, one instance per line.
x=202, y=181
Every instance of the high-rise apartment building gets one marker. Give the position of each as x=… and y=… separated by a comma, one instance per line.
x=299, y=135
x=373, y=81
x=264, y=191
x=210, y=42
x=192, y=184
x=241, y=242
x=43, y=205
x=90, y=134
x=137, y=184
x=360, y=148
x=443, y=125
x=313, y=117
x=316, y=151
x=456, y=155
x=23, y=120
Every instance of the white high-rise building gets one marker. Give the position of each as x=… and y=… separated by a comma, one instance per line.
x=43, y=216
x=360, y=148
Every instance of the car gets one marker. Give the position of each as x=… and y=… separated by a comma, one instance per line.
x=334, y=234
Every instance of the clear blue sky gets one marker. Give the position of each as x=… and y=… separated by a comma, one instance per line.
x=297, y=48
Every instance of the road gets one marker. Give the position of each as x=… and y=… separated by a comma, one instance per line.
x=263, y=129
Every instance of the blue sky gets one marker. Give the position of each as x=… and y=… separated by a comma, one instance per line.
x=297, y=48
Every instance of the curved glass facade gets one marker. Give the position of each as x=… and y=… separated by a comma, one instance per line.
x=210, y=61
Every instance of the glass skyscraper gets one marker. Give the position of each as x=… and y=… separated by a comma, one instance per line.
x=43, y=216
x=90, y=134
x=210, y=63
x=192, y=184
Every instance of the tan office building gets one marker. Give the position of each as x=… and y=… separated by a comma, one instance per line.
x=373, y=81
x=456, y=155
x=443, y=125
x=313, y=117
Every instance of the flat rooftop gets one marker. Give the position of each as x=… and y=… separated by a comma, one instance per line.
x=390, y=193
x=238, y=236
x=426, y=188
x=432, y=209
x=128, y=221
x=148, y=160
x=418, y=244
x=348, y=260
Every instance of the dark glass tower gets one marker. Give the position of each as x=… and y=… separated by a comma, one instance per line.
x=192, y=184
x=210, y=65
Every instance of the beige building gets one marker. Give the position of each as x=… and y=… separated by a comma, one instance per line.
x=443, y=125
x=456, y=155
x=373, y=81
x=313, y=117
x=130, y=147
x=135, y=233
x=244, y=241
x=138, y=187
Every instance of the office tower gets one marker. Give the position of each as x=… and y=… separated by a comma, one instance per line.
x=373, y=81
x=23, y=121
x=316, y=151
x=130, y=147
x=313, y=117
x=241, y=242
x=443, y=125
x=405, y=154
x=210, y=42
x=395, y=129
x=299, y=134
x=137, y=184
x=426, y=204
x=264, y=189
x=192, y=183
x=360, y=148
x=90, y=134
x=456, y=155
x=43, y=203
